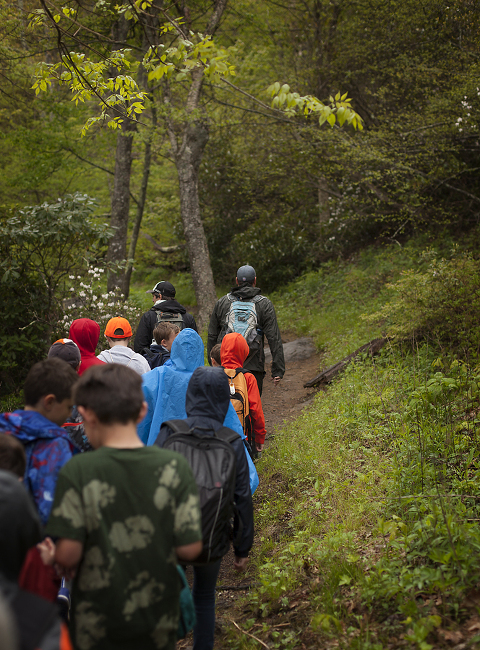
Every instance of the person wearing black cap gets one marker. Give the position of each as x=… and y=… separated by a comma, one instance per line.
x=165, y=308
x=246, y=311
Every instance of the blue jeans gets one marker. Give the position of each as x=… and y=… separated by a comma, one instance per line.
x=204, y=581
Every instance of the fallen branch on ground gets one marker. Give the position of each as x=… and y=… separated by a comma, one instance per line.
x=327, y=375
x=250, y=635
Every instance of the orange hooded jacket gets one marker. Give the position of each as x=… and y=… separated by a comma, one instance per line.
x=233, y=353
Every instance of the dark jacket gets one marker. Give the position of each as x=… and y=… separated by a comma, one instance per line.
x=144, y=335
x=267, y=322
x=37, y=622
x=156, y=355
x=206, y=404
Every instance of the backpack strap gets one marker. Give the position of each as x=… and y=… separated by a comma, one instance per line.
x=244, y=371
x=227, y=435
x=177, y=426
x=233, y=298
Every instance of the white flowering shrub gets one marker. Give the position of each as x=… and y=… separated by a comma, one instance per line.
x=91, y=300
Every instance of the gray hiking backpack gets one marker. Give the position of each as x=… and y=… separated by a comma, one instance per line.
x=242, y=318
x=170, y=317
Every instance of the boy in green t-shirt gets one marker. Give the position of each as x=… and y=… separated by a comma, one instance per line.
x=125, y=515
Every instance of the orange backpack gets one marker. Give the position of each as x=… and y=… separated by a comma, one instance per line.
x=239, y=398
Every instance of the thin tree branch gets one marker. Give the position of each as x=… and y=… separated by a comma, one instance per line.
x=252, y=636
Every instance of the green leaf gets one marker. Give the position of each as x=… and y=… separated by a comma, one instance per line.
x=331, y=119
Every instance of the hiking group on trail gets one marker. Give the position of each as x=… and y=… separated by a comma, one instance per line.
x=124, y=468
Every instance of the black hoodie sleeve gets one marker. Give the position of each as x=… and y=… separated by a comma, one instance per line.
x=189, y=321
x=243, y=501
x=214, y=327
x=274, y=338
x=143, y=336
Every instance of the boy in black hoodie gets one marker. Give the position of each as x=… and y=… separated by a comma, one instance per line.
x=206, y=405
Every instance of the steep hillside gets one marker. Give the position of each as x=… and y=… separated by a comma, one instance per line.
x=367, y=512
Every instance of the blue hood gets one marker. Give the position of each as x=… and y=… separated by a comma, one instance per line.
x=29, y=426
x=165, y=389
x=47, y=448
x=208, y=394
x=187, y=351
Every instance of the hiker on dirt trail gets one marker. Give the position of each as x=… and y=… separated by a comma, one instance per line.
x=35, y=620
x=85, y=333
x=118, y=334
x=207, y=403
x=244, y=393
x=159, y=352
x=48, y=447
x=246, y=311
x=165, y=309
x=123, y=516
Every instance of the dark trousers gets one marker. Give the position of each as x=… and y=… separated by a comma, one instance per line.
x=204, y=581
x=259, y=377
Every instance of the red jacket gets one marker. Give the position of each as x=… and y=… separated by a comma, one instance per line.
x=233, y=353
x=85, y=333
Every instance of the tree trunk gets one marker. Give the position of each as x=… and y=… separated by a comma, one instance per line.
x=188, y=151
x=188, y=162
x=117, y=246
x=147, y=160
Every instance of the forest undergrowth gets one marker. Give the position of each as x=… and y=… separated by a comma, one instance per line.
x=369, y=507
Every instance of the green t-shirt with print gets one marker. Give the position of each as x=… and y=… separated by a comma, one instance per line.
x=130, y=508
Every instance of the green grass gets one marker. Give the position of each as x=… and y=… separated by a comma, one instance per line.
x=329, y=304
x=367, y=512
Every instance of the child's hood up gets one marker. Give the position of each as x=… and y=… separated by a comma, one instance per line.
x=234, y=350
x=85, y=333
x=187, y=351
x=29, y=426
x=208, y=394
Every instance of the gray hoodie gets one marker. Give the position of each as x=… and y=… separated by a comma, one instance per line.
x=127, y=357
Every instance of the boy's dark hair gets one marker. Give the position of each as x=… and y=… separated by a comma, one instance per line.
x=50, y=376
x=215, y=353
x=12, y=454
x=112, y=391
x=164, y=331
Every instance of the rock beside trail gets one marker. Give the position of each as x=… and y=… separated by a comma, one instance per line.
x=297, y=350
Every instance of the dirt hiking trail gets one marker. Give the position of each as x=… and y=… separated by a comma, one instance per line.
x=281, y=404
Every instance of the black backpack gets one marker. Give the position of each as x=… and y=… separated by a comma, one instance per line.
x=213, y=463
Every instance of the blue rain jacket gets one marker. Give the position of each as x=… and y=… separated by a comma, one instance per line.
x=207, y=402
x=165, y=389
x=47, y=447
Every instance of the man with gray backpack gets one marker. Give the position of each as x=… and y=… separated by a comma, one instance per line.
x=165, y=310
x=218, y=462
x=245, y=311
